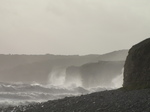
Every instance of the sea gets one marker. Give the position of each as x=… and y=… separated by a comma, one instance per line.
x=15, y=94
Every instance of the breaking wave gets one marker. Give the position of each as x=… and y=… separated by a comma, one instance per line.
x=22, y=94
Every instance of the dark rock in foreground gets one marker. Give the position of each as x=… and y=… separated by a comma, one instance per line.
x=107, y=101
x=137, y=66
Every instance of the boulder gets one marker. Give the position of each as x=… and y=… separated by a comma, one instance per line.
x=137, y=66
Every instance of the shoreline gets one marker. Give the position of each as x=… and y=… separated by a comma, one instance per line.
x=106, y=101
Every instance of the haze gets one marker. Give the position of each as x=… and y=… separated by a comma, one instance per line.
x=72, y=26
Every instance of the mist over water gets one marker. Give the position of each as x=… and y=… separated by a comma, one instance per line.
x=42, y=78
x=59, y=78
x=118, y=81
x=57, y=87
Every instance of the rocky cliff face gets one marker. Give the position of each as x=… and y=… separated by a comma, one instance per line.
x=137, y=66
x=95, y=74
x=101, y=73
x=73, y=76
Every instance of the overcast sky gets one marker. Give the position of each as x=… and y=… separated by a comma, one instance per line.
x=72, y=26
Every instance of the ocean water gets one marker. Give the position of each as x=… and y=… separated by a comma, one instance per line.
x=23, y=94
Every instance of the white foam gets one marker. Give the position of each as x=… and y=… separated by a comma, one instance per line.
x=118, y=81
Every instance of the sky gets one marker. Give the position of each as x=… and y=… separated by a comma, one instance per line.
x=71, y=27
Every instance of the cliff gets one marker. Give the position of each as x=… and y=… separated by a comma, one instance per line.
x=38, y=68
x=101, y=73
x=95, y=74
x=137, y=66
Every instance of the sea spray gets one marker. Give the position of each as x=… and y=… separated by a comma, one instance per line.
x=20, y=94
x=118, y=81
x=57, y=77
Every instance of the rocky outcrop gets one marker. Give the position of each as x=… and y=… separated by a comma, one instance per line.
x=137, y=66
x=95, y=74
x=101, y=73
x=73, y=77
